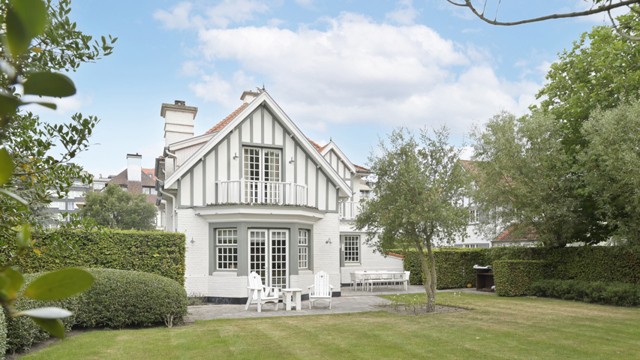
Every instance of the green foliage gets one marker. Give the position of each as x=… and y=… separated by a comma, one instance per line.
x=417, y=199
x=22, y=332
x=117, y=299
x=454, y=267
x=600, y=292
x=611, y=162
x=514, y=277
x=3, y=334
x=601, y=71
x=121, y=299
x=115, y=208
x=524, y=176
x=155, y=252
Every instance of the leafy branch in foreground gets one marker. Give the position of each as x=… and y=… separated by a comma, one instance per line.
x=26, y=73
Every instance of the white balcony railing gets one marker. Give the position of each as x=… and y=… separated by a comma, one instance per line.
x=349, y=210
x=261, y=192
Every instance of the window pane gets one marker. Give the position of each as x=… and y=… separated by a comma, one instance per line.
x=226, y=249
x=351, y=249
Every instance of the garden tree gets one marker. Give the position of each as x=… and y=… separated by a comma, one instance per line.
x=115, y=208
x=418, y=198
x=37, y=39
x=39, y=172
x=525, y=177
x=602, y=70
x=480, y=7
x=611, y=162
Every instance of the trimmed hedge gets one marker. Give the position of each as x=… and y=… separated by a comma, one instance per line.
x=117, y=299
x=121, y=299
x=454, y=268
x=515, y=277
x=588, y=263
x=155, y=252
x=599, y=292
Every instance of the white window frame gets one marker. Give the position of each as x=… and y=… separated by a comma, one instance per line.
x=226, y=249
x=303, y=249
x=351, y=249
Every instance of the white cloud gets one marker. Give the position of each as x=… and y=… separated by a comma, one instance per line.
x=356, y=70
x=179, y=17
x=405, y=14
x=224, y=14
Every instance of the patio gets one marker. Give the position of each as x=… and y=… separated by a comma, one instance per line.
x=349, y=302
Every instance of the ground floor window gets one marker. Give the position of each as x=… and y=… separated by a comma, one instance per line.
x=351, y=248
x=227, y=249
x=303, y=249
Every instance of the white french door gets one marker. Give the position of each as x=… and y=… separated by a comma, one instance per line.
x=262, y=172
x=268, y=256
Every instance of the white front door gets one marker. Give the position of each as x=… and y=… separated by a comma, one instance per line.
x=268, y=256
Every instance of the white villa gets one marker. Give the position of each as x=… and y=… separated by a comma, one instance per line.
x=255, y=194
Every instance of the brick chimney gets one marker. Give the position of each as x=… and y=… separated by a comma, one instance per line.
x=178, y=121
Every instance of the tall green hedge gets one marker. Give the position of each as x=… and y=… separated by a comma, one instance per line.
x=588, y=263
x=515, y=277
x=154, y=252
x=454, y=268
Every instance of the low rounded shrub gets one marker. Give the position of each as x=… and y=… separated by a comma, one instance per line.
x=120, y=298
x=22, y=332
x=515, y=277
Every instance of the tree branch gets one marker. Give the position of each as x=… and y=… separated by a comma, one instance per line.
x=602, y=8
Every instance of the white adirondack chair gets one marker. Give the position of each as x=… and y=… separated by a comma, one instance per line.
x=321, y=289
x=261, y=294
x=405, y=279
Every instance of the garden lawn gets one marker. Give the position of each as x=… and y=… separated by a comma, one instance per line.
x=493, y=328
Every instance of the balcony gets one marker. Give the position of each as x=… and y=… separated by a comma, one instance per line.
x=261, y=192
x=348, y=210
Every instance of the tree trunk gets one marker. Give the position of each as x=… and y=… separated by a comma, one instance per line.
x=429, y=271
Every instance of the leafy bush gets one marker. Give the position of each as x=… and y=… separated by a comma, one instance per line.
x=155, y=252
x=589, y=263
x=454, y=268
x=599, y=292
x=22, y=332
x=3, y=335
x=515, y=277
x=121, y=299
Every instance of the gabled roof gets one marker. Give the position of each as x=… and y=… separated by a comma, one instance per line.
x=224, y=122
x=227, y=125
x=332, y=146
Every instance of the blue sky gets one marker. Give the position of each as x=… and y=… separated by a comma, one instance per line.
x=349, y=70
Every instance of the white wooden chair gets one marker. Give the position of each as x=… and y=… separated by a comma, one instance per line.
x=261, y=294
x=321, y=289
x=405, y=280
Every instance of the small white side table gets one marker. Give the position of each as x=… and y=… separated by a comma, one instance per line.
x=288, y=295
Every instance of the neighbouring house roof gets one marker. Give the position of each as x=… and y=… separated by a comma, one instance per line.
x=135, y=187
x=224, y=127
x=148, y=179
x=362, y=169
x=515, y=233
x=150, y=172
